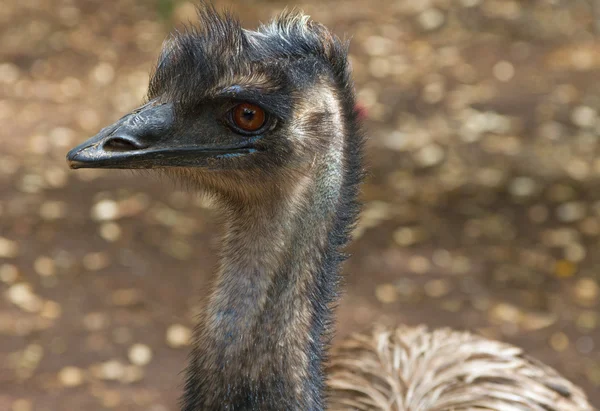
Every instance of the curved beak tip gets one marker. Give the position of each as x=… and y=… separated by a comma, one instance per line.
x=74, y=164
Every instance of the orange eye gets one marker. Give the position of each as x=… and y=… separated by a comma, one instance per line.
x=248, y=117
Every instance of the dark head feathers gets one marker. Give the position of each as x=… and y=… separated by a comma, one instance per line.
x=207, y=58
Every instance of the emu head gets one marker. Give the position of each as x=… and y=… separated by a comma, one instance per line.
x=233, y=110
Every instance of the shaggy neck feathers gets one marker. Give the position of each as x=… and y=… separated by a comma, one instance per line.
x=264, y=335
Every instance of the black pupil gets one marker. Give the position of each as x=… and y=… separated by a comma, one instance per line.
x=248, y=115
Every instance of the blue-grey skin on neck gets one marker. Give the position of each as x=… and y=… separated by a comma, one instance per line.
x=264, y=329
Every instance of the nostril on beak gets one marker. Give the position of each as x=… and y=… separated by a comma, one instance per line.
x=122, y=143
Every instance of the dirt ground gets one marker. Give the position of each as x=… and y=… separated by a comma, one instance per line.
x=482, y=209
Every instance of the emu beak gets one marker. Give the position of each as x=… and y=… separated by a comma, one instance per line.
x=148, y=138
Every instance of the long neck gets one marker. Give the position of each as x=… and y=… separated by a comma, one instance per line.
x=263, y=338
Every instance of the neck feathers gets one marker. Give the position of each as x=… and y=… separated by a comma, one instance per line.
x=264, y=335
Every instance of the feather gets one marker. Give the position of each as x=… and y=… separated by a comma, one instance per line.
x=414, y=369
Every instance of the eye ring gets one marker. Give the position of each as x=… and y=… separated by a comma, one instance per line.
x=248, y=118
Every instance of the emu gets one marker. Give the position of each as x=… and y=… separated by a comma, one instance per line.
x=265, y=122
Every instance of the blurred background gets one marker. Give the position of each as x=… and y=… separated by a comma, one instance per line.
x=482, y=210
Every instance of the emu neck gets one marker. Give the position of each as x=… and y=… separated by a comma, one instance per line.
x=264, y=334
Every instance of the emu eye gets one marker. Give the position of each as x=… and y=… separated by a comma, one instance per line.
x=248, y=117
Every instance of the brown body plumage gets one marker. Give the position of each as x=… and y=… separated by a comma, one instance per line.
x=414, y=369
x=287, y=188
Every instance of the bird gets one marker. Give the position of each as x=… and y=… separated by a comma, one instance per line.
x=266, y=122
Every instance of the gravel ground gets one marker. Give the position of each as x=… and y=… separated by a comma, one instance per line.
x=482, y=208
